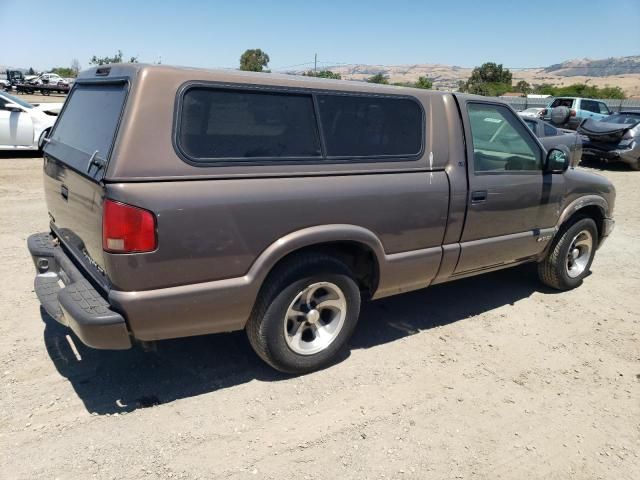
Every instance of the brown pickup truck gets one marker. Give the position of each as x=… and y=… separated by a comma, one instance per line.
x=187, y=202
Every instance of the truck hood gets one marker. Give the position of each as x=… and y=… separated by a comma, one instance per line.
x=603, y=131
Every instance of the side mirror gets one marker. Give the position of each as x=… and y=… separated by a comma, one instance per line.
x=557, y=161
x=12, y=107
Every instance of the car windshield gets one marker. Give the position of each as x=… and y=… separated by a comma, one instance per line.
x=622, y=118
x=20, y=102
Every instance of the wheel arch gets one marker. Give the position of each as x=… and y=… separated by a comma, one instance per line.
x=592, y=206
x=359, y=248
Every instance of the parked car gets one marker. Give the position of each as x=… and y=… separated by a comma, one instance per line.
x=569, y=112
x=23, y=126
x=49, y=79
x=534, y=112
x=614, y=139
x=292, y=200
x=552, y=137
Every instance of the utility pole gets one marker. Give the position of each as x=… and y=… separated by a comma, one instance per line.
x=315, y=63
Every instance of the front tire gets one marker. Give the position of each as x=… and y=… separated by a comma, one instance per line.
x=305, y=314
x=568, y=261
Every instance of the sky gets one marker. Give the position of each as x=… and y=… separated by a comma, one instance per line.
x=46, y=34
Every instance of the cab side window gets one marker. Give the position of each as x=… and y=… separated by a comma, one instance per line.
x=501, y=144
x=589, y=106
x=550, y=131
x=604, y=110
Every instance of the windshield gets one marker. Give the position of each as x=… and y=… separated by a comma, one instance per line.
x=20, y=102
x=622, y=118
x=87, y=126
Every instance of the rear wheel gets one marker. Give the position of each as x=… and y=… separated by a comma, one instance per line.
x=305, y=314
x=571, y=254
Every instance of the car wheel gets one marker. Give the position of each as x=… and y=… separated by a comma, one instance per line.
x=305, y=314
x=570, y=255
x=43, y=135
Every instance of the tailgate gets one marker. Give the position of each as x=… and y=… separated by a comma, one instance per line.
x=76, y=157
x=75, y=211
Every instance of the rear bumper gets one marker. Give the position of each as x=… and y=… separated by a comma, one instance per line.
x=627, y=155
x=71, y=299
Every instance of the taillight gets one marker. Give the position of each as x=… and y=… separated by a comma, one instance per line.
x=127, y=229
x=573, y=112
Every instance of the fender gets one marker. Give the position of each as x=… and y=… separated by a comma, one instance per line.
x=308, y=237
x=573, y=207
x=582, y=202
x=398, y=272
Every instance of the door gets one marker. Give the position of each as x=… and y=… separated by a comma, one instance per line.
x=16, y=128
x=589, y=109
x=512, y=206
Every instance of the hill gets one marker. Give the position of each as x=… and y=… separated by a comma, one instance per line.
x=623, y=72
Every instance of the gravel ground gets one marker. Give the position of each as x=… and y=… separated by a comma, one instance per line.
x=489, y=377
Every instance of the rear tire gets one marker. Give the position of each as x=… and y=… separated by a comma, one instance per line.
x=305, y=314
x=570, y=256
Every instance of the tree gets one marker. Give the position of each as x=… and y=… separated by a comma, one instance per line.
x=488, y=79
x=523, y=87
x=117, y=58
x=378, y=78
x=31, y=71
x=423, y=82
x=65, y=72
x=254, y=60
x=75, y=66
x=580, y=90
x=323, y=74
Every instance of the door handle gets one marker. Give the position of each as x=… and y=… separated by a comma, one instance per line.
x=478, y=196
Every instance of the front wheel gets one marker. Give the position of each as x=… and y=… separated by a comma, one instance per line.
x=568, y=261
x=305, y=314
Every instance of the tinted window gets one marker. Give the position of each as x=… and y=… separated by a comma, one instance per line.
x=11, y=98
x=550, y=131
x=368, y=126
x=589, y=106
x=562, y=102
x=532, y=125
x=500, y=142
x=228, y=124
x=90, y=120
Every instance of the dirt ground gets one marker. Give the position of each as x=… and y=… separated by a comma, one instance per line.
x=37, y=98
x=485, y=378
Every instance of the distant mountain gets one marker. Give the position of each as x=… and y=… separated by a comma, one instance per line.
x=623, y=72
x=597, y=68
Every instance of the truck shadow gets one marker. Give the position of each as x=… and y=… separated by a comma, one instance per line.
x=122, y=381
x=603, y=166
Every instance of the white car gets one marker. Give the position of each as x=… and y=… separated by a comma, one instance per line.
x=532, y=112
x=48, y=79
x=23, y=126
